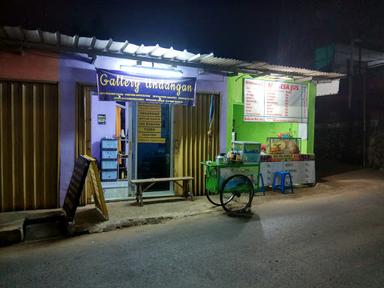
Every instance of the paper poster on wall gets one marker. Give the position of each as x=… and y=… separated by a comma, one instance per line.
x=303, y=131
x=149, y=123
x=272, y=101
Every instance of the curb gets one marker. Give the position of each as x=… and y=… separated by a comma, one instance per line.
x=13, y=236
x=130, y=222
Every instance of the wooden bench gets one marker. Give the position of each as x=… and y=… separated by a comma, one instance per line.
x=144, y=184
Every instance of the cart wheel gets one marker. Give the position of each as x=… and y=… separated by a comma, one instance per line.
x=214, y=198
x=236, y=193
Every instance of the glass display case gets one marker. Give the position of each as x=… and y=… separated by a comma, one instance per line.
x=249, y=151
x=284, y=149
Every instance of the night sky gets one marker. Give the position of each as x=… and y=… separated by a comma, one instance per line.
x=278, y=31
x=240, y=29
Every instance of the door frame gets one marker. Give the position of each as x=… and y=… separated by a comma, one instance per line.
x=83, y=102
x=171, y=191
x=80, y=117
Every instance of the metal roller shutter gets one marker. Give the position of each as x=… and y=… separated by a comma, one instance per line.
x=191, y=139
x=29, y=145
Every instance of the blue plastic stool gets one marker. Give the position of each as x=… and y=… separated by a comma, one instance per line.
x=282, y=186
x=262, y=187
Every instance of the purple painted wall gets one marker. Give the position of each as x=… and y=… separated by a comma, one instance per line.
x=73, y=71
x=99, y=131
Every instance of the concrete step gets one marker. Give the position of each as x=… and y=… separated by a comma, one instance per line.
x=11, y=233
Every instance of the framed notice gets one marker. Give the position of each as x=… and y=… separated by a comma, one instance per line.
x=101, y=119
x=149, y=123
x=272, y=101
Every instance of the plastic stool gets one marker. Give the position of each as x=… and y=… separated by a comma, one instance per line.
x=262, y=187
x=281, y=186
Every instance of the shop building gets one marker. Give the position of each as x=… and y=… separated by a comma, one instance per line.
x=51, y=113
x=279, y=113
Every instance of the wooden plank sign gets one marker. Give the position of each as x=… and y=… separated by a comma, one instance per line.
x=76, y=185
x=98, y=194
x=85, y=168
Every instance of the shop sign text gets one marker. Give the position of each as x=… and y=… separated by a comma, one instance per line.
x=120, y=86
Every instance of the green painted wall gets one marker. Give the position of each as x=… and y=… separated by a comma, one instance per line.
x=260, y=131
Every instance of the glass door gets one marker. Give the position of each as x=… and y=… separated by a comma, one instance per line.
x=154, y=145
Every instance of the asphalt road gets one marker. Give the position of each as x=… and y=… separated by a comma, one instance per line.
x=335, y=239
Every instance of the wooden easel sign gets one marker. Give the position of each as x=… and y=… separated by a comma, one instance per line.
x=85, y=166
x=97, y=189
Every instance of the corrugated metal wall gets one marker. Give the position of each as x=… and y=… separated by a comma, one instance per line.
x=191, y=143
x=29, y=145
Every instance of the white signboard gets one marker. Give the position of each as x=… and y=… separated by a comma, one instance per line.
x=271, y=101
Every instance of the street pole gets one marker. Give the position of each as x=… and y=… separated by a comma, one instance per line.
x=364, y=84
x=350, y=74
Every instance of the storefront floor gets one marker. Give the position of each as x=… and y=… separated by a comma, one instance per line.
x=117, y=190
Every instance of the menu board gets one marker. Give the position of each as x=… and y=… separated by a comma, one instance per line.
x=272, y=101
x=84, y=165
x=75, y=187
x=149, y=123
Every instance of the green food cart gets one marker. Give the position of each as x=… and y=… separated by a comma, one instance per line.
x=231, y=185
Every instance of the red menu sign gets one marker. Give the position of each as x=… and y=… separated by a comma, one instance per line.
x=272, y=101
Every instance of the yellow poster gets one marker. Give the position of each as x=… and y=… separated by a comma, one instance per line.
x=143, y=119
x=147, y=107
x=149, y=135
x=150, y=129
x=149, y=123
x=152, y=140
